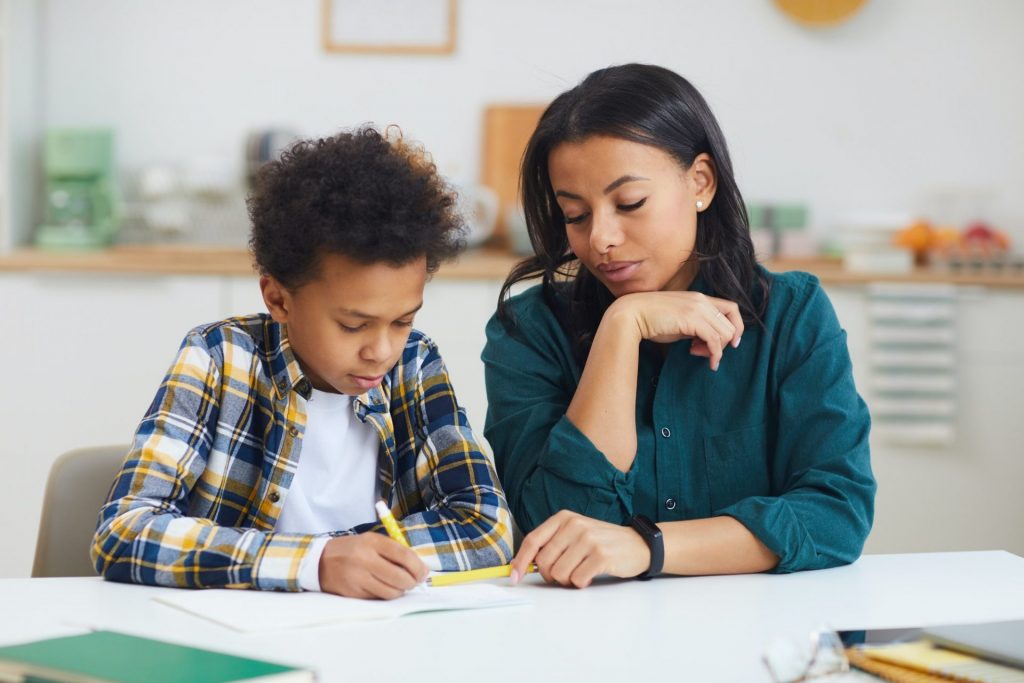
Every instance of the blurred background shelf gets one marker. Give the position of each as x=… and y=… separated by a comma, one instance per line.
x=485, y=263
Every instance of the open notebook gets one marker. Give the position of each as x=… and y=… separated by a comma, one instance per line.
x=251, y=611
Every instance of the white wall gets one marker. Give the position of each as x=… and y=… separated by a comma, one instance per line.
x=909, y=97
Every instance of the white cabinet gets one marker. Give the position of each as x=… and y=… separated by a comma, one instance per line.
x=84, y=353
x=965, y=496
x=83, y=356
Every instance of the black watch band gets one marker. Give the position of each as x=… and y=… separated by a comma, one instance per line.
x=651, y=534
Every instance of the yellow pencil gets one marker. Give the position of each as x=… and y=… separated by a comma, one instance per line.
x=390, y=525
x=452, y=578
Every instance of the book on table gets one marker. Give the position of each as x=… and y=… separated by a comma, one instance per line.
x=976, y=653
x=110, y=657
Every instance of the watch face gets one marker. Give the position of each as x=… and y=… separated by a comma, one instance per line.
x=645, y=526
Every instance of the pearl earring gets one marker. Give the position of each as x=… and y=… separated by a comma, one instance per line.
x=700, y=205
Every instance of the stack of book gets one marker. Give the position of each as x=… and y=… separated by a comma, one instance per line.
x=979, y=653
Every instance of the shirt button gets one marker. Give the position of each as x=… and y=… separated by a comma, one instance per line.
x=274, y=496
x=666, y=432
x=294, y=431
x=282, y=385
x=670, y=504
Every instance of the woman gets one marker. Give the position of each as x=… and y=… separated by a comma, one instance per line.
x=633, y=432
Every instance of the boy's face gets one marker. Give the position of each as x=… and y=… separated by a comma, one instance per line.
x=347, y=327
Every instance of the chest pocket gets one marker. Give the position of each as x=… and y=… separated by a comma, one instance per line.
x=737, y=465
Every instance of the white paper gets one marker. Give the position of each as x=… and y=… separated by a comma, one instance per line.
x=252, y=611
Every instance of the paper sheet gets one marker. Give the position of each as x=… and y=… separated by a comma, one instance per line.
x=252, y=611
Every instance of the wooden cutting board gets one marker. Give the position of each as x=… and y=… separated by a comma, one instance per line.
x=507, y=129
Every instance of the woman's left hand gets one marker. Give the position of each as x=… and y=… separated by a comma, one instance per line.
x=570, y=549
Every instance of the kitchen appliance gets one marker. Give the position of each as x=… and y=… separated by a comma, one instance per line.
x=78, y=168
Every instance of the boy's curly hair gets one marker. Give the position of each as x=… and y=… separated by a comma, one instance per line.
x=359, y=194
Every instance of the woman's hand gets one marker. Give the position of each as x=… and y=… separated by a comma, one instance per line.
x=570, y=549
x=369, y=565
x=666, y=317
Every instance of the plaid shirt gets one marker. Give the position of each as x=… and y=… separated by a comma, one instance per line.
x=199, y=494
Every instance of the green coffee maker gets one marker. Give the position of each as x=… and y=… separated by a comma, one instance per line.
x=78, y=169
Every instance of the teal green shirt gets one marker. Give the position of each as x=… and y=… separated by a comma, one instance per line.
x=777, y=438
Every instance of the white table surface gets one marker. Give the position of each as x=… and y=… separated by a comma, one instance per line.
x=671, y=628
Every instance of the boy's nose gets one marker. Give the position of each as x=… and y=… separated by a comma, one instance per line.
x=378, y=349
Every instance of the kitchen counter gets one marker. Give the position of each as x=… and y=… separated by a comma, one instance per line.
x=476, y=264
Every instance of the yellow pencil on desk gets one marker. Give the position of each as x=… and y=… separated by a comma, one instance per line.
x=452, y=578
x=448, y=578
x=390, y=525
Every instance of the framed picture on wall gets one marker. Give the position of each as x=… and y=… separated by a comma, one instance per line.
x=425, y=27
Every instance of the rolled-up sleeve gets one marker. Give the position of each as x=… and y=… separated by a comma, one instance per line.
x=821, y=465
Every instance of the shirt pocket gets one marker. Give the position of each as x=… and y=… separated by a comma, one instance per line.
x=737, y=465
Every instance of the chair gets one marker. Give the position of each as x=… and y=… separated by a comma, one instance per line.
x=78, y=483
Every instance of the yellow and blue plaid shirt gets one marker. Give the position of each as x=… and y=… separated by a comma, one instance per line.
x=199, y=494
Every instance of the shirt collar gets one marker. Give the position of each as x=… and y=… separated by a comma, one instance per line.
x=285, y=372
x=377, y=399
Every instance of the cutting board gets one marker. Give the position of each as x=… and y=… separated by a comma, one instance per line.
x=507, y=129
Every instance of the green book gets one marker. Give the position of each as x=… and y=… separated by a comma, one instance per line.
x=108, y=657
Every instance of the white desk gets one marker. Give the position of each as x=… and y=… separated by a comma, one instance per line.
x=676, y=629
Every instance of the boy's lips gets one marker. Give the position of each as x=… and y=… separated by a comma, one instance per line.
x=367, y=382
x=617, y=271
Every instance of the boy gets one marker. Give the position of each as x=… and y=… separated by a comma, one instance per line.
x=272, y=436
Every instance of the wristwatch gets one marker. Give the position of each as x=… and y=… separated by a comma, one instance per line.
x=651, y=534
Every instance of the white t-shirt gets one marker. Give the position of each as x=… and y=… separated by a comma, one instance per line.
x=335, y=485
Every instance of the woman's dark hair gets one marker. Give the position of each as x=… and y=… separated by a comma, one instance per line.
x=652, y=106
x=370, y=196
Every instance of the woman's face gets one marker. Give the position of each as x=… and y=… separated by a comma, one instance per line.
x=630, y=211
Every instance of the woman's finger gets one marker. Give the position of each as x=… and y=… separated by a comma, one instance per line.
x=721, y=322
x=731, y=311
x=586, y=570
x=552, y=552
x=711, y=338
x=574, y=553
x=533, y=543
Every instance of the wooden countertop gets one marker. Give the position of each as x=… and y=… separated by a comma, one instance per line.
x=477, y=264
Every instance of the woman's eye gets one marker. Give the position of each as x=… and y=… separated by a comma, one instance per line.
x=634, y=206
x=574, y=219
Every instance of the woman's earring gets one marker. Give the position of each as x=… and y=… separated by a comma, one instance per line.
x=700, y=205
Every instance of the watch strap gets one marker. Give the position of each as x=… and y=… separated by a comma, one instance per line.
x=651, y=534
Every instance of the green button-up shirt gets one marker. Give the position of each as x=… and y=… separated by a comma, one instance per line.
x=777, y=438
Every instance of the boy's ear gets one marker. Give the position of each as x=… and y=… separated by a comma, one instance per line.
x=276, y=297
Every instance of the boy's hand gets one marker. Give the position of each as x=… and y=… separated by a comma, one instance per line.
x=369, y=566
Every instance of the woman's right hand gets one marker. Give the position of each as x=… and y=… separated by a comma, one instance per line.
x=666, y=317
